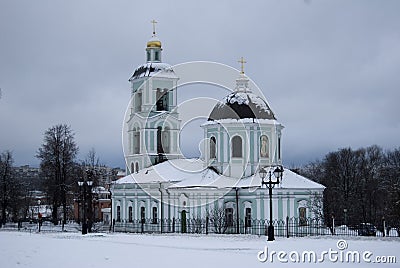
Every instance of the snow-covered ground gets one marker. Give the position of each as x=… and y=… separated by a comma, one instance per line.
x=59, y=250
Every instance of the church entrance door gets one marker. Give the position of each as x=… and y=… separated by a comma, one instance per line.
x=183, y=221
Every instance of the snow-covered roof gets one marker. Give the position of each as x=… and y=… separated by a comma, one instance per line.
x=151, y=68
x=121, y=173
x=241, y=105
x=242, y=121
x=190, y=173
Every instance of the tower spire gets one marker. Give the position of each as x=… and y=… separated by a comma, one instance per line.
x=242, y=82
x=242, y=62
x=154, y=26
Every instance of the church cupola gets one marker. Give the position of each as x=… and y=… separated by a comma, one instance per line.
x=242, y=103
x=153, y=49
x=242, y=133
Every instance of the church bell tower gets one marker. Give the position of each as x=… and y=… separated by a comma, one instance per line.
x=153, y=125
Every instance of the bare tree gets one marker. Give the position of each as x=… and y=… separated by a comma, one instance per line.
x=361, y=185
x=92, y=166
x=218, y=220
x=57, y=155
x=6, y=162
x=391, y=182
x=92, y=159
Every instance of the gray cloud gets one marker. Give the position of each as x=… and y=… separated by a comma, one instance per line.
x=329, y=69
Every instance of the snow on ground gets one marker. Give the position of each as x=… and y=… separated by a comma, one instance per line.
x=59, y=250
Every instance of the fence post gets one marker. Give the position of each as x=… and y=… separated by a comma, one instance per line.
x=384, y=226
x=333, y=224
x=287, y=226
x=173, y=225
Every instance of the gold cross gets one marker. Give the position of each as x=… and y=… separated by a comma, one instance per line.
x=242, y=62
x=154, y=26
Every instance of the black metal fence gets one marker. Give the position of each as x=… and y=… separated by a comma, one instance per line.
x=290, y=227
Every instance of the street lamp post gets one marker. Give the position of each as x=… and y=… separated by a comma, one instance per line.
x=274, y=178
x=39, y=215
x=110, y=196
x=85, y=187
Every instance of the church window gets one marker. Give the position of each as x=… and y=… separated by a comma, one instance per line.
x=142, y=214
x=165, y=140
x=279, y=148
x=302, y=216
x=138, y=102
x=162, y=100
x=159, y=144
x=155, y=215
x=237, y=146
x=156, y=55
x=137, y=167
x=229, y=217
x=130, y=214
x=132, y=168
x=148, y=56
x=136, y=142
x=118, y=213
x=264, y=146
x=248, y=217
x=213, y=143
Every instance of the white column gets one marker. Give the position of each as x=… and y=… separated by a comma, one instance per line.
x=123, y=208
x=136, y=206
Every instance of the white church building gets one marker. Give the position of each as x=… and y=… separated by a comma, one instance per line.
x=242, y=136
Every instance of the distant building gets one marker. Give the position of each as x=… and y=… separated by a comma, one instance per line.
x=101, y=195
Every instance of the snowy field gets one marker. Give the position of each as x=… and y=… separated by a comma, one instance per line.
x=59, y=250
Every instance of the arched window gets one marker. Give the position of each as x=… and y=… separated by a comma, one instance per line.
x=213, y=146
x=229, y=217
x=165, y=140
x=159, y=145
x=132, y=169
x=136, y=142
x=264, y=146
x=137, y=167
x=142, y=214
x=130, y=214
x=248, y=217
x=302, y=216
x=237, y=146
x=138, y=102
x=118, y=213
x=155, y=215
x=162, y=97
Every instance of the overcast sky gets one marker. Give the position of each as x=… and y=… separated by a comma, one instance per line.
x=329, y=69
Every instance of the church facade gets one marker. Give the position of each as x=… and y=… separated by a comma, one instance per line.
x=242, y=137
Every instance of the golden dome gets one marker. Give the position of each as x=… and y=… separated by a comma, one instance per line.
x=154, y=43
